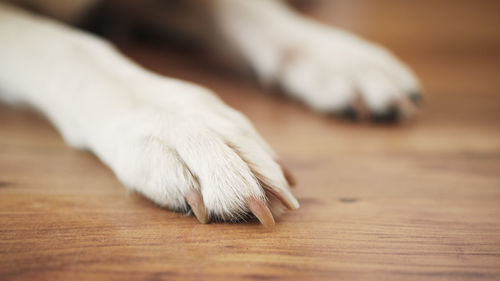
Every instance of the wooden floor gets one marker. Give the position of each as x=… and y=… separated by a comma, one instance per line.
x=419, y=201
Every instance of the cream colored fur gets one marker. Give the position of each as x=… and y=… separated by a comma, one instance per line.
x=164, y=137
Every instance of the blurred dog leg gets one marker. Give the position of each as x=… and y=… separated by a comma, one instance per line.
x=326, y=68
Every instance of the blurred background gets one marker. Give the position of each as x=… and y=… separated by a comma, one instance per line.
x=445, y=27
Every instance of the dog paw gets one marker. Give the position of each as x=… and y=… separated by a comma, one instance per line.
x=195, y=154
x=326, y=68
x=335, y=72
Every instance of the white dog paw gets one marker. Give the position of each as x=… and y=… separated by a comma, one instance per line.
x=326, y=68
x=194, y=153
x=335, y=72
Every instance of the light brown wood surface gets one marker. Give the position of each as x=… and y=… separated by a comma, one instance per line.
x=419, y=201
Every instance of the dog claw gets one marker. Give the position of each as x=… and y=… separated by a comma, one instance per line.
x=195, y=201
x=390, y=116
x=285, y=196
x=261, y=211
x=290, y=178
x=350, y=113
x=416, y=97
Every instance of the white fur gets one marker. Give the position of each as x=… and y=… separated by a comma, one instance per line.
x=163, y=137
x=160, y=136
x=322, y=66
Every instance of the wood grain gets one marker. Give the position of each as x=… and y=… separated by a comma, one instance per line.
x=419, y=201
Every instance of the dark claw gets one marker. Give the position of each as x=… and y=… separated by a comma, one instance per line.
x=416, y=98
x=350, y=113
x=390, y=116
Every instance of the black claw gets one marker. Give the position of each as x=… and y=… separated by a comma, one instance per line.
x=416, y=97
x=350, y=113
x=390, y=116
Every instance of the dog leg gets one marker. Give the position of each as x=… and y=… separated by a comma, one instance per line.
x=328, y=69
x=174, y=142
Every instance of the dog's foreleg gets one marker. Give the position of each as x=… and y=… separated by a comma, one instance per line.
x=322, y=66
x=60, y=72
x=172, y=141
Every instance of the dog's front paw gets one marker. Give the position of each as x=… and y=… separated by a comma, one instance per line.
x=198, y=154
x=336, y=72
